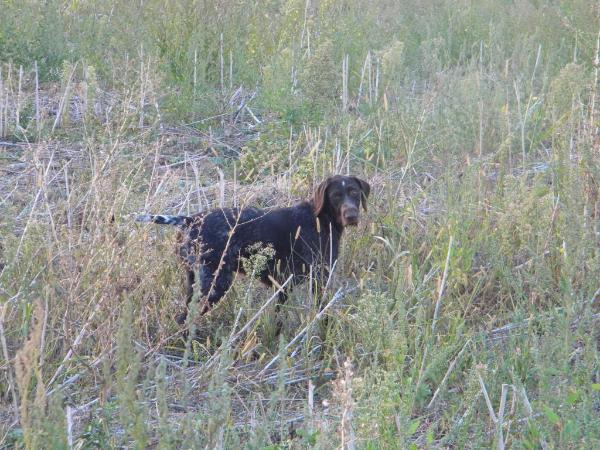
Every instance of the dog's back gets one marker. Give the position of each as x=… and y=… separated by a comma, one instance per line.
x=223, y=235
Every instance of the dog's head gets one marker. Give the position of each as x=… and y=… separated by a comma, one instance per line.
x=340, y=197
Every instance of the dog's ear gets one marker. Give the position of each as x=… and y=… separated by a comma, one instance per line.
x=365, y=189
x=319, y=196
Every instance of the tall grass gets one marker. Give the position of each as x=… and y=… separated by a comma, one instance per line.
x=464, y=309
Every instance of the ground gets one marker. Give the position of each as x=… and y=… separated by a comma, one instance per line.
x=465, y=307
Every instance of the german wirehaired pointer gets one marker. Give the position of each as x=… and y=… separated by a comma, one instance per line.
x=304, y=239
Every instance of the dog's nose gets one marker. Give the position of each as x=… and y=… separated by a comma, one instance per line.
x=351, y=216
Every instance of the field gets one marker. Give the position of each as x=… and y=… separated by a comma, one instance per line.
x=465, y=308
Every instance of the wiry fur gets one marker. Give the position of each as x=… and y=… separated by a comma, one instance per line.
x=305, y=238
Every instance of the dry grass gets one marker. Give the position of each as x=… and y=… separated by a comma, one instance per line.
x=464, y=309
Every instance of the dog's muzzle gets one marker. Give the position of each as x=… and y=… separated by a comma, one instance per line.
x=350, y=216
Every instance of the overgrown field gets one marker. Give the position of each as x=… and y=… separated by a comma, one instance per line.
x=465, y=308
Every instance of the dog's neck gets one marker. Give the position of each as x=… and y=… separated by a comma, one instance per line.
x=330, y=232
x=329, y=235
x=328, y=224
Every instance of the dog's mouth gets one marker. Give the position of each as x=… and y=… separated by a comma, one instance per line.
x=351, y=221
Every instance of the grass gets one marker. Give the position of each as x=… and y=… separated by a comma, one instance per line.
x=464, y=309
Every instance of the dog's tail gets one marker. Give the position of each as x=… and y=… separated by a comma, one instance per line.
x=178, y=221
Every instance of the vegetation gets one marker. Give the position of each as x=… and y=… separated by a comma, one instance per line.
x=464, y=310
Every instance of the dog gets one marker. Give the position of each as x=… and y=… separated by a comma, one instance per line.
x=303, y=239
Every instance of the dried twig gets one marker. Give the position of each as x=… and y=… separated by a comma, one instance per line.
x=448, y=372
x=11, y=380
x=438, y=303
x=338, y=295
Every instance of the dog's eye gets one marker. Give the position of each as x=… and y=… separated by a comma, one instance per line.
x=353, y=193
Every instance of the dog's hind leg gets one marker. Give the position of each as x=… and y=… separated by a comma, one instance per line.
x=190, y=279
x=189, y=286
